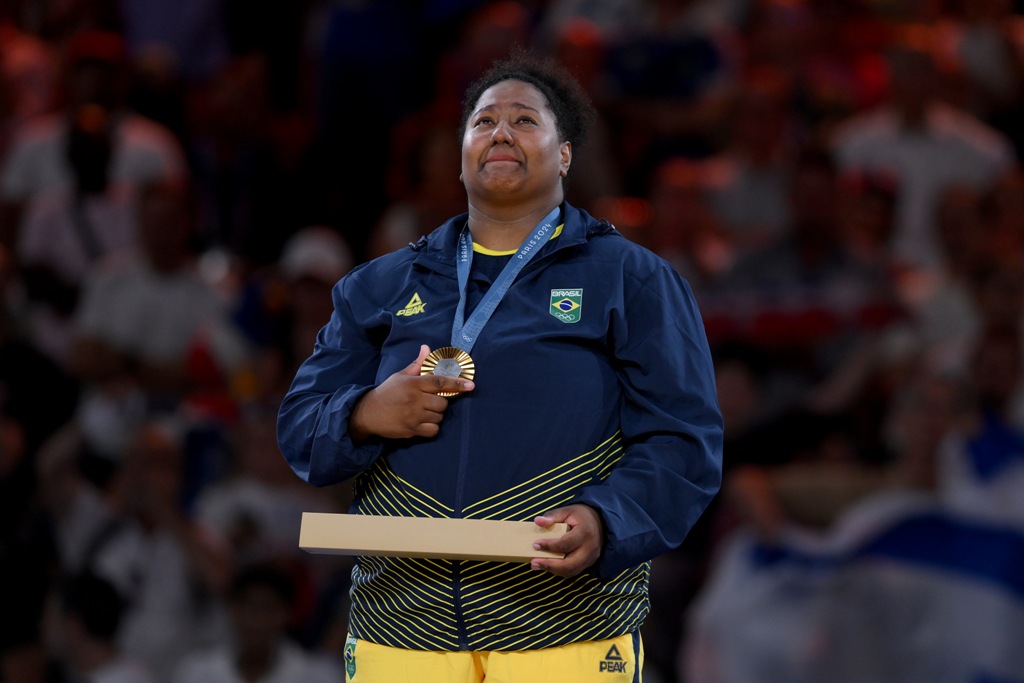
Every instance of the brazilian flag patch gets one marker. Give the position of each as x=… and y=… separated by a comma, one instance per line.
x=567, y=304
x=350, y=657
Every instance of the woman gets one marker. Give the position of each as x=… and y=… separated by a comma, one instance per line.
x=593, y=403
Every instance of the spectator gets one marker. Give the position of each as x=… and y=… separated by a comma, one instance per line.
x=582, y=47
x=895, y=585
x=808, y=291
x=838, y=61
x=312, y=261
x=926, y=145
x=488, y=33
x=683, y=227
x=62, y=237
x=136, y=533
x=390, y=79
x=28, y=72
x=256, y=508
x=947, y=327
x=250, y=164
x=23, y=368
x=169, y=571
x=673, y=77
x=189, y=38
x=150, y=332
x=428, y=193
x=868, y=217
x=281, y=308
x=815, y=492
x=68, y=185
x=85, y=633
x=260, y=649
x=42, y=156
x=753, y=168
x=984, y=41
x=982, y=471
x=943, y=307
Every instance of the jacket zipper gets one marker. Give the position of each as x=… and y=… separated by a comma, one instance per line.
x=457, y=565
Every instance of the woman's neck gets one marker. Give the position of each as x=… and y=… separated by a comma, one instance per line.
x=504, y=230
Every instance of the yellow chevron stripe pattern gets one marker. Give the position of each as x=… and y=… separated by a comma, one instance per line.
x=382, y=492
x=508, y=606
x=410, y=603
x=549, y=489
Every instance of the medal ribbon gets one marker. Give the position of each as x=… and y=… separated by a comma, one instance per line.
x=465, y=332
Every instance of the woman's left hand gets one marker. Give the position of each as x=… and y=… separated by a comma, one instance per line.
x=581, y=544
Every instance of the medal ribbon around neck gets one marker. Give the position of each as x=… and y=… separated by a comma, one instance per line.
x=454, y=360
x=466, y=332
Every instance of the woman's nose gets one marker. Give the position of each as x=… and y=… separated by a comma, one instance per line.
x=502, y=133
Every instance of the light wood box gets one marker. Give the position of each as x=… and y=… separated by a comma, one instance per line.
x=454, y=539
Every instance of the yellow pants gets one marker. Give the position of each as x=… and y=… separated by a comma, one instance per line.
x=617, y=660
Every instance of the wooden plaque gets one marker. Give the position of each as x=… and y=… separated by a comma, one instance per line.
x=455, y=539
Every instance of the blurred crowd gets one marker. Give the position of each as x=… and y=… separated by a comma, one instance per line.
x=182, y=182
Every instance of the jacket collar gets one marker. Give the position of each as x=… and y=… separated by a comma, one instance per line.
x=436, y=251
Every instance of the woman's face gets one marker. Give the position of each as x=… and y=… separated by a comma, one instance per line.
x=511, y=151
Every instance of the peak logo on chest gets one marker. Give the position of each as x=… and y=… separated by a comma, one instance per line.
x=414, y=307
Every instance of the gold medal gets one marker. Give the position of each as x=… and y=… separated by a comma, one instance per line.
x=448, y=361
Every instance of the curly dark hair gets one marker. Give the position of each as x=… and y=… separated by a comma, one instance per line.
x=567, y=99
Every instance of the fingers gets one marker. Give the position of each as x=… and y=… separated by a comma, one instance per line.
x=406, y=404
x=427, y=429
x=414, y=367
x=549, y=518
x=439, y=384
x=581, y=545
x=575, y=561
x=436, y=384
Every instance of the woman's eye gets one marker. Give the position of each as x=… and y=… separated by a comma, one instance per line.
x=526, y=119
x=484, y=121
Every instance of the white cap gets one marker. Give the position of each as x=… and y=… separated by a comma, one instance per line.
x=317, y=251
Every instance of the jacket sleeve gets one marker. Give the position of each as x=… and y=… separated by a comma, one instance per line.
x=312, y=423
x=671, y=424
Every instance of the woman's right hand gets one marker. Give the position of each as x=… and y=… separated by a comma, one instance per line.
x=406, y=404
